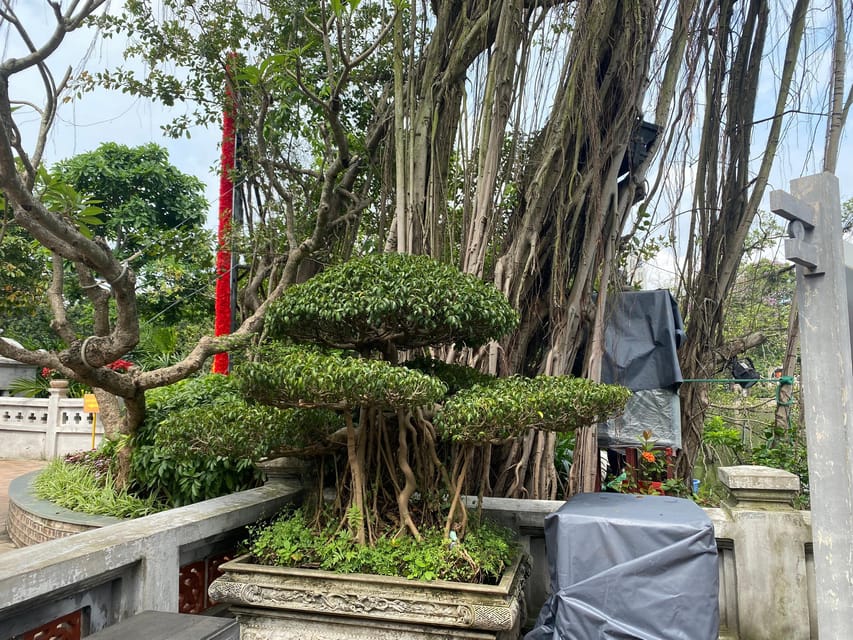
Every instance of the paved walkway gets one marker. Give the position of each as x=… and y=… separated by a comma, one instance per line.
x=9, y=470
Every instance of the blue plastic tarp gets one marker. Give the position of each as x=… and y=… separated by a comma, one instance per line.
x=642, y=333
x=655, y=410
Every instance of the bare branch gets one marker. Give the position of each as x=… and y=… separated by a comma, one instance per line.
x=73, y=18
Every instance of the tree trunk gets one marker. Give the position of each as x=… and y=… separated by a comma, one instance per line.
x=725, y=203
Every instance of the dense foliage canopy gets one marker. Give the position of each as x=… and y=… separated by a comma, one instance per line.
x=404, y=300
x=393, y=414
x=297, y=376
x=508, y=407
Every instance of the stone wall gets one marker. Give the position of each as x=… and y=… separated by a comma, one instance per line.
x=119, y=570
x=45, y=428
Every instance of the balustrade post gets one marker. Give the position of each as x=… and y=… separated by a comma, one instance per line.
x=769, y=538
x=58, y=391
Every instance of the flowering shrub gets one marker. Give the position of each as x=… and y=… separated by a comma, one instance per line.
x=650, y=475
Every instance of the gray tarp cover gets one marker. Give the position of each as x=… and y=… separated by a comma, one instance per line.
x=658, y=410
x=632, y=567
x=641, y=336
x=643, y=331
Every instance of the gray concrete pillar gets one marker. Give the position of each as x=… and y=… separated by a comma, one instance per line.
x=814, y=212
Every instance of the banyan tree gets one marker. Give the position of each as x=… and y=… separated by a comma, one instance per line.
x=354, y=342
x=534, y=145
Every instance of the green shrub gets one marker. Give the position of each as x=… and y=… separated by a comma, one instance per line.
x=298, y=375
x=787, y=452
x=76, y=487
x=242, y=431
x=716, y=433
x=406, y=300
x=99, y=461
x=507, y=407
x=291, y=541
x=172, y=474
x=202, y=391
x=371, y=308
x=455, y=376
x=181, y=481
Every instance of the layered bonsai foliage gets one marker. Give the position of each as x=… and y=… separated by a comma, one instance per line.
x=398, y=426
x=194, y=445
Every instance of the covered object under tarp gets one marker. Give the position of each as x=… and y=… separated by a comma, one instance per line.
x=642, y=334
x=630, y=567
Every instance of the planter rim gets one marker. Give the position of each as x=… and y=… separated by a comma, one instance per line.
x=504, y=587
x=22, y=494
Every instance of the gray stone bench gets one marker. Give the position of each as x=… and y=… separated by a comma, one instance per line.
x=160, y=625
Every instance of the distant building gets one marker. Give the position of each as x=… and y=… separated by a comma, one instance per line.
x=12, y=370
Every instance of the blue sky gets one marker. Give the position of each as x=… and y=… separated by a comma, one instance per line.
x=105, y=116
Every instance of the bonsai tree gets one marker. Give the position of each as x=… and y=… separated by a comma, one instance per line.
x=406, y=430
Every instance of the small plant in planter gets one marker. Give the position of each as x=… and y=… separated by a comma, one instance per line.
x=405, y=431
x=650, y=475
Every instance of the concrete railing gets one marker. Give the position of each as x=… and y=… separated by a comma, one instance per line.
x=766, y=574
x=106, y=575
x=45, y=428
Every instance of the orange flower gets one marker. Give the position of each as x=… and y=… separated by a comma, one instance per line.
x=648, y=456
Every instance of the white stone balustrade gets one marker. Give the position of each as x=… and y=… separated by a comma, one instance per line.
x=45, y=428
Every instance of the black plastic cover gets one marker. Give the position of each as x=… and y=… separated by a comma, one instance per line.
x=643, y=330
x=630, y=567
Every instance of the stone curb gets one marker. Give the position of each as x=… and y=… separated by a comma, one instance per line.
x=32, y=520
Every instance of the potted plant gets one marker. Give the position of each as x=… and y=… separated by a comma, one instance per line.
x=406, y=430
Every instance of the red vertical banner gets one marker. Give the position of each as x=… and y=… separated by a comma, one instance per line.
x=222, y=325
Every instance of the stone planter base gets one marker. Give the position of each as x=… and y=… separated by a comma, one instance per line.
x=283, y=626
x=274, y=603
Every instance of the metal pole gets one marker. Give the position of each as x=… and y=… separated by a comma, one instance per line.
x=236, y=223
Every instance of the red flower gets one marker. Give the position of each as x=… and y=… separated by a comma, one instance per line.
x=46, y=372
x=120, y=365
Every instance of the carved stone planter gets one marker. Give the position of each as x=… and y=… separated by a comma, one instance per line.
x=274, y=603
